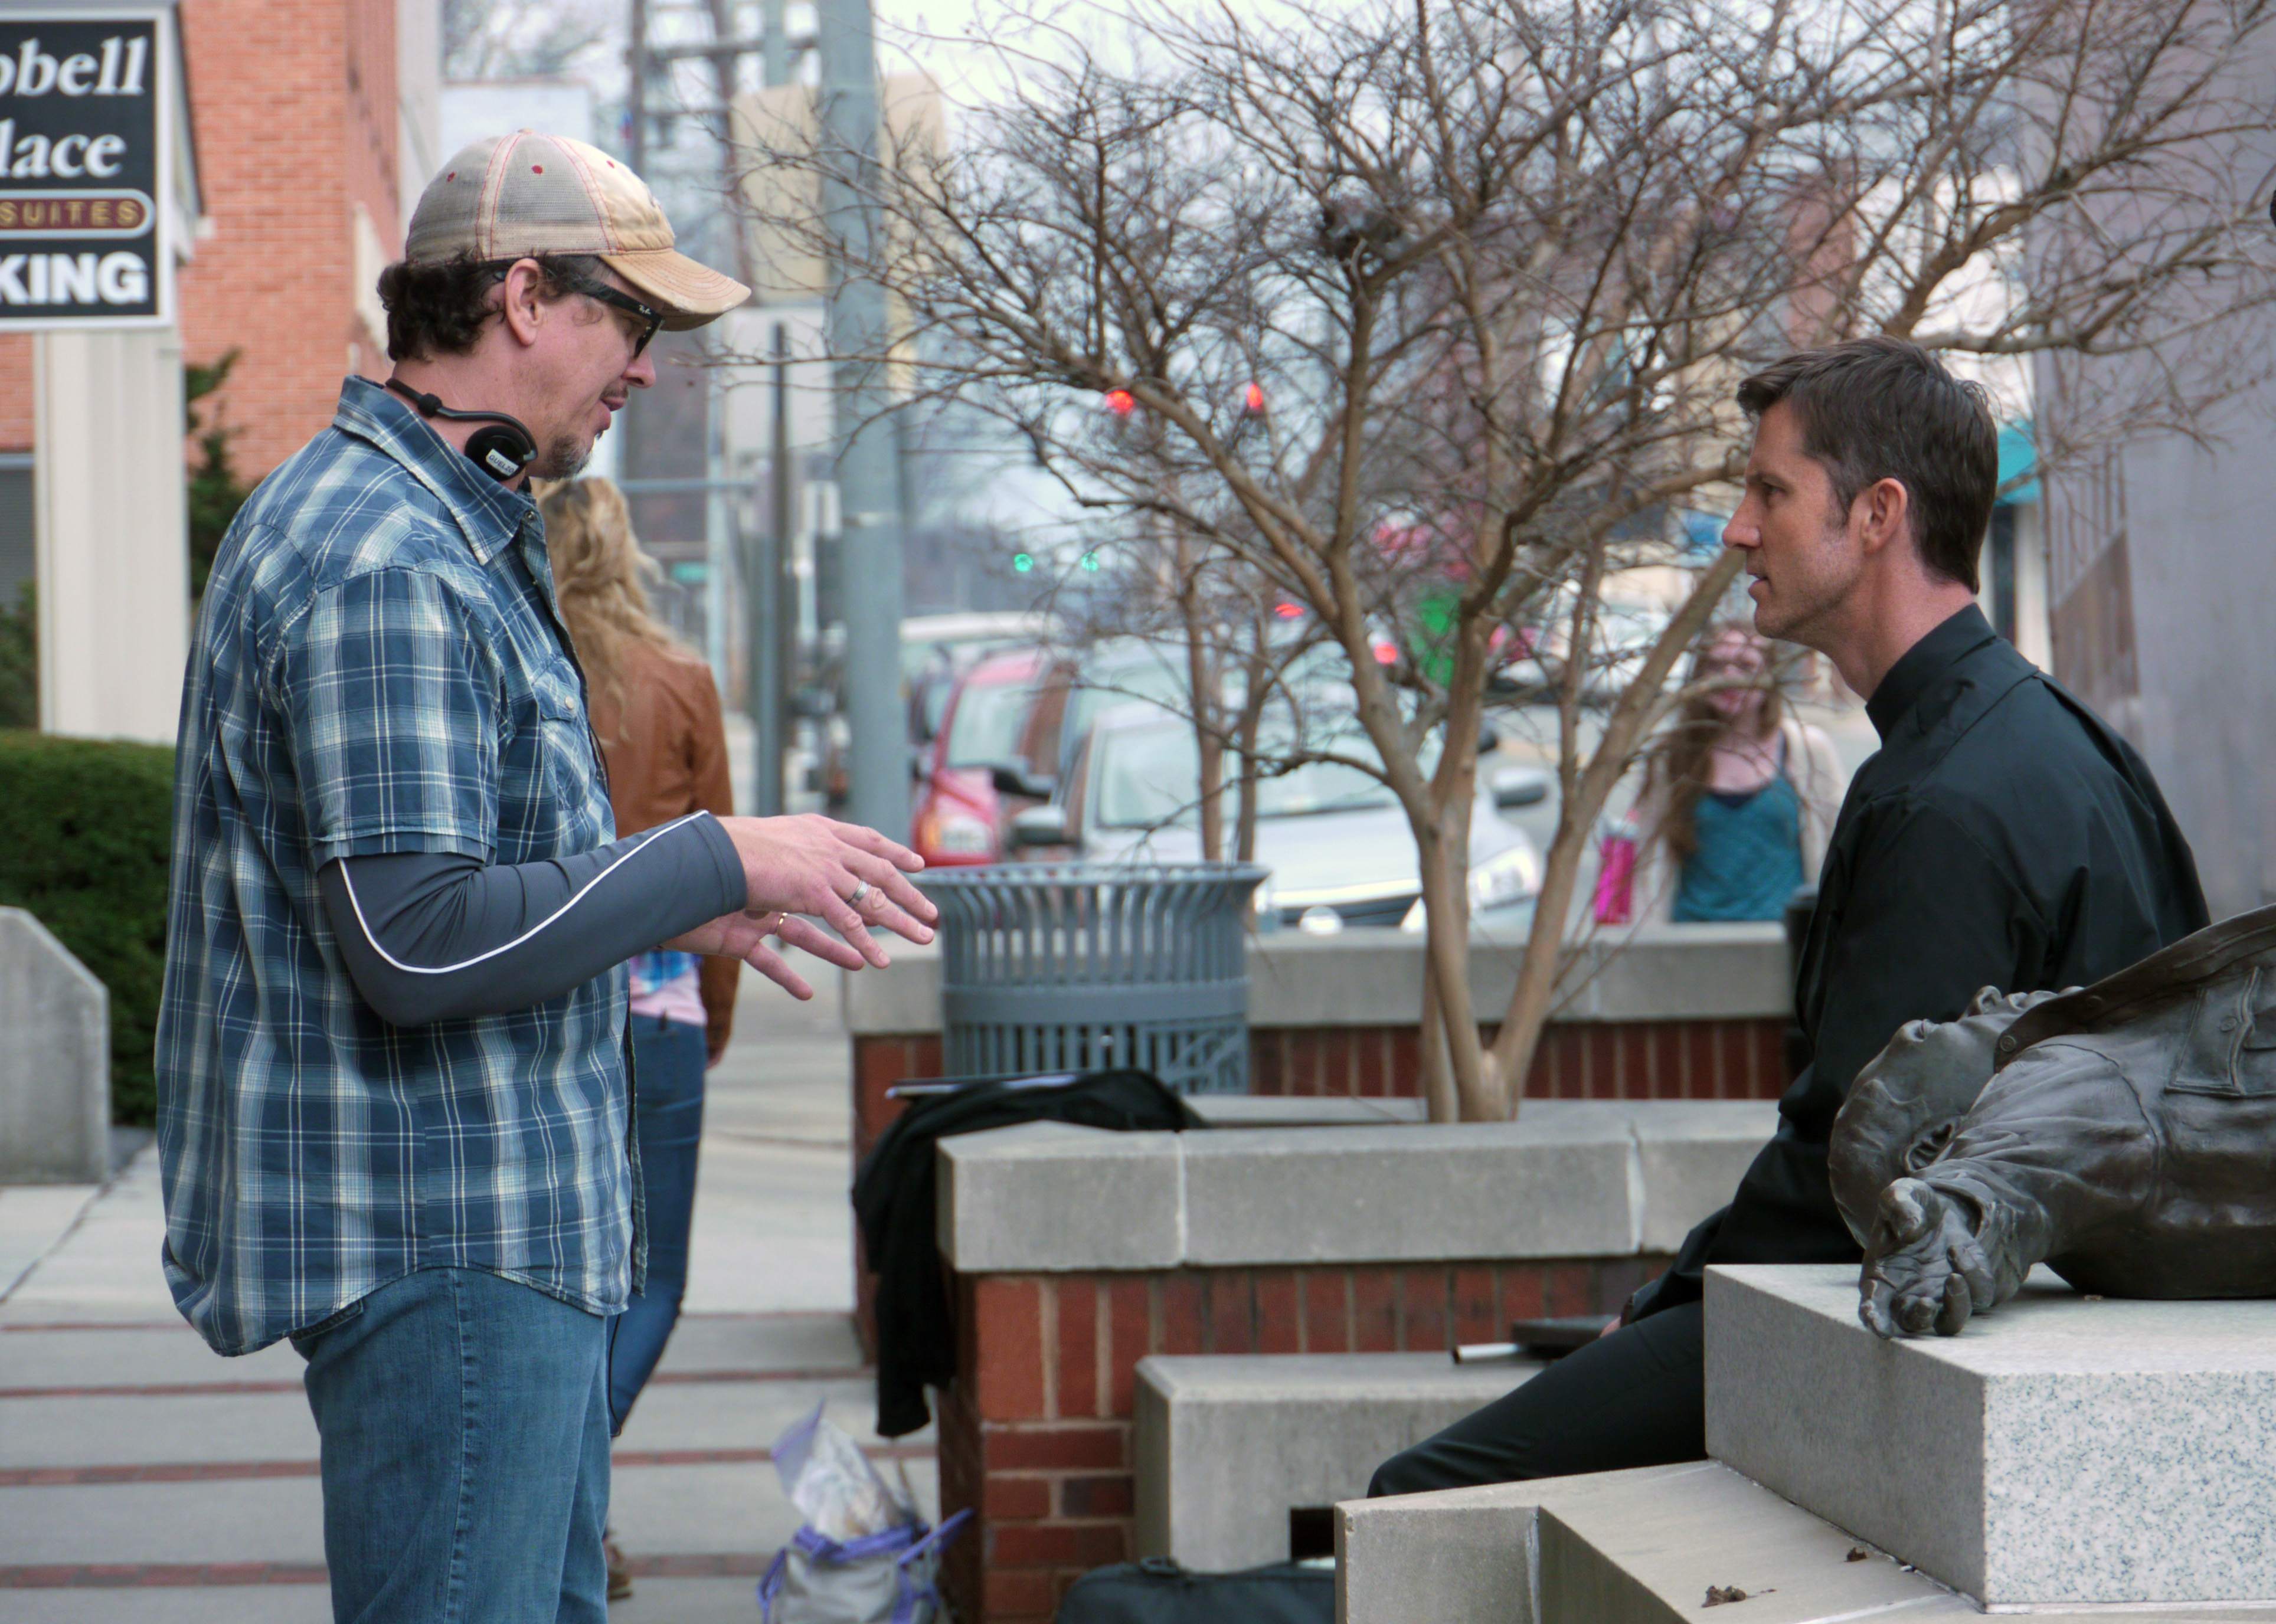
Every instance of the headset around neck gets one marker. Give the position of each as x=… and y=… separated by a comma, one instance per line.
x=502, y=451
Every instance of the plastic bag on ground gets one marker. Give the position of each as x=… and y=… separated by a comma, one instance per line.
x=865, y=1555
x=833, y=1485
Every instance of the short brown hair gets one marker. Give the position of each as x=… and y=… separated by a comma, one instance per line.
x=1883, y=408
x=441, y=309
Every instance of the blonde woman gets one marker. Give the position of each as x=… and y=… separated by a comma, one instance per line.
x=1740, y=799
x=656, y=712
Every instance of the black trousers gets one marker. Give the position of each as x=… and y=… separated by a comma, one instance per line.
x=1635, y=1398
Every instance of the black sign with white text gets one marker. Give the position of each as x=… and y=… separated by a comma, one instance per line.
x=80, y=169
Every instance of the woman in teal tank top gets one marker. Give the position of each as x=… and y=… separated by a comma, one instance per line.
x=1740, y=798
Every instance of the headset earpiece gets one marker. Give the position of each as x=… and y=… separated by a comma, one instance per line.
x=502, y=451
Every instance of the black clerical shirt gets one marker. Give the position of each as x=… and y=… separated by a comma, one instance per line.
x=2002, y=836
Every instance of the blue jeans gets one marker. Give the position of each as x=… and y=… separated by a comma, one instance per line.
x=465, y=1432
x=668, y=1060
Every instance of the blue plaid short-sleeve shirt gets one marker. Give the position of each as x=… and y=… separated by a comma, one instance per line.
x=379, y=666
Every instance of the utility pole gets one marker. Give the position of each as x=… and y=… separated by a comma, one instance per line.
x=770, y=600
x=868, y=481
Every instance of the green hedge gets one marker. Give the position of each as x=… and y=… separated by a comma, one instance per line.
x=85, y=832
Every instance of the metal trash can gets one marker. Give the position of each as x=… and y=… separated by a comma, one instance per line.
x=1078, y=967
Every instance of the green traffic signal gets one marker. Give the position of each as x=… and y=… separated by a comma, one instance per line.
x=1022, y=562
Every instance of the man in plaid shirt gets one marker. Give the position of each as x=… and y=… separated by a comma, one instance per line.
x=394, y=1092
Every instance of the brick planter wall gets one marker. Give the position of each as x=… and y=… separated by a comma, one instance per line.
x=1038, y=1436
x=1742, y=1058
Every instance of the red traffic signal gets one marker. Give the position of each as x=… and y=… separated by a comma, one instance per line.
x=1252, y=400
x=1121, y=402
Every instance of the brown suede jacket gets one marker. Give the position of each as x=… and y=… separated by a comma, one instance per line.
x=666, y=750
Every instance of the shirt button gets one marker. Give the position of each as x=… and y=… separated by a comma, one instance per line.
x=2008, y=1044
x=569, y=705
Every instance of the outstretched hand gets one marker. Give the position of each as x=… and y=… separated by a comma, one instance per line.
x=851, y=879
x=1924, y=1267
x=746, y=937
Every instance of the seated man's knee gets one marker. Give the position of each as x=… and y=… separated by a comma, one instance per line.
x=1389, y=1477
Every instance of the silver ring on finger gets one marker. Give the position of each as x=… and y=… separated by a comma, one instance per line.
x=860, y=893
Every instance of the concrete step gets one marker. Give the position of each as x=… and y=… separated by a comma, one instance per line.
x=697, y=1509
x=1226, y=1446
x=203, y=1603
x=52, y=1363
x=61, y=1363
x=93, y=1433
x=253, y=1520
x=1647, y=1547
x=1653, y=1551
x=90, y=1434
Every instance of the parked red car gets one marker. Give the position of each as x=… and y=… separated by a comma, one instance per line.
x=974, y=778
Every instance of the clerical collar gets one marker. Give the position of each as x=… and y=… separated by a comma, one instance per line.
x=1962, y=633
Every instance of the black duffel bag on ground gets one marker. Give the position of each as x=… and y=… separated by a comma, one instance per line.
x=1158, y=1591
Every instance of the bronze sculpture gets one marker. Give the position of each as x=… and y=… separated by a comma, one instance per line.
x=2123, y=1134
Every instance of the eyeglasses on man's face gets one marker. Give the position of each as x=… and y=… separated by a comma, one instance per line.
x=651, y=318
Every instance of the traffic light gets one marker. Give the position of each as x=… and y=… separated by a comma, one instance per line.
x=1252, y=400
x=1121, y=402
x=1022, y=562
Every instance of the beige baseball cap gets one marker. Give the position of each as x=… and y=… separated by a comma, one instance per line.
x=525, y=194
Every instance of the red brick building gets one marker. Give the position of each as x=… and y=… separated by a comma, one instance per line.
x=296, y=110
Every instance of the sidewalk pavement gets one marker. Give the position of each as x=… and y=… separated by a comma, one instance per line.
x=145, y=1480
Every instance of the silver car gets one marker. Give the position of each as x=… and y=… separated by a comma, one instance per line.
x=1339, y=849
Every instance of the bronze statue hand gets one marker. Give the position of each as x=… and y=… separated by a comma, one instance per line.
x=1923, y=1266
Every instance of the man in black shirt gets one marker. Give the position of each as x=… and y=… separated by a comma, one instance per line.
x=2003, y=837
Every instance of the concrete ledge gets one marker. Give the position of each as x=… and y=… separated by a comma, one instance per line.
x=1305, y=1110
x=1052, y=1197
x=1569, y=1178
x=1373, y=977
x=1226, y=1446
x=2057, y=1453
x=1554, y=1187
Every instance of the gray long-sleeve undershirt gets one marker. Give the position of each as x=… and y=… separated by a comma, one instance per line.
x=434, y=935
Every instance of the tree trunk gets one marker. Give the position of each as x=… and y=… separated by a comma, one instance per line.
x=1588, y=790
x=1200, y=677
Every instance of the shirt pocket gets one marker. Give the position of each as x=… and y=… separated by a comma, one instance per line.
x=572, y=764
x=2231, y=1049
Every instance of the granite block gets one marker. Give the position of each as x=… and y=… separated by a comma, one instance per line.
x=1226, y=1446
x=2059, y=1452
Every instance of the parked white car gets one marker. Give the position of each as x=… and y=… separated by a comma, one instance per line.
x=1339, y=847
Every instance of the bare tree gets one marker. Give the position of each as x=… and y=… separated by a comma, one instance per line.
x=1495, y=267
